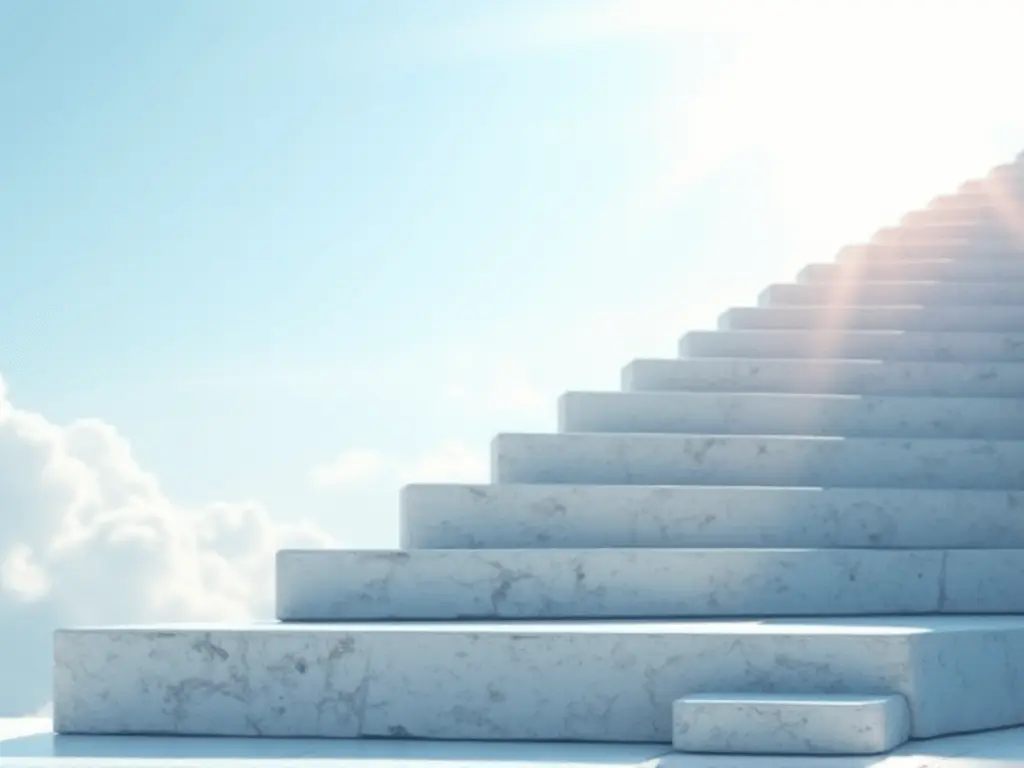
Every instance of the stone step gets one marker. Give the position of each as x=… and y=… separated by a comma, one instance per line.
x=924, y=251
x=861, y=345
x=966, y=235
x=943, y=270
x=841, y=377
x=452, y=516
x=955, y=214
x=614, y=583
x=742, y=413
x=790, y=724
x=855, y=462
x=893, y=293
x=875, y=318
x=568, y=681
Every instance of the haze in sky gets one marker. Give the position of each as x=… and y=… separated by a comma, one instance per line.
x=263, y=262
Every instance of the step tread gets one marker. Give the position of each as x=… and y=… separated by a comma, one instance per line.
x=756, y=723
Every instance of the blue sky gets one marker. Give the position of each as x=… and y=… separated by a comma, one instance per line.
x=283, y=257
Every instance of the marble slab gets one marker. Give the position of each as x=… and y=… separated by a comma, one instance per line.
x=944, y=216
x=864, y=345
x=967, y=234
x=41, y=748
x=37, y=746
x=893, y=293
x=853, y=377
x=453, y=516
x=755, y=413
x=783, y=724
x=574, y=681
x=977, y=270
x=875, y=318
x=933, y=245
x=357, y=585
x=855, y=462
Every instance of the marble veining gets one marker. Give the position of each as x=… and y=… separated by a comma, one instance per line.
x=895, y=292
x=843, y=377
x=867, y=345
x=452, y=516
x=750, y=413
x=551, y=682
x=787, y=724
x=876, y=318
x=327, y=585
x=850, y=452
x=758, y=460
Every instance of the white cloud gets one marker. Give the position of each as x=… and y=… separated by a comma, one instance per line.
x=87, y=536
x=350, y=467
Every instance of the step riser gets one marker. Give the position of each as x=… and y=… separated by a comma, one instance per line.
x=328, y=585
x=963, y=218
x=788, y=725
x=943, y=270
x=968, y=235
x=607, y=684
x=928, y=319
x=843, y=377
x=539, y=517
x=597, y=459
x=754, y=414
x=879, y=255
x=893, y=294
x=863, y=345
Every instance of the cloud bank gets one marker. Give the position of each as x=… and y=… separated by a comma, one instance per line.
x=87, y=536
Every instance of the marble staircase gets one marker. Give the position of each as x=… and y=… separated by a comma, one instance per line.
x=803, y=536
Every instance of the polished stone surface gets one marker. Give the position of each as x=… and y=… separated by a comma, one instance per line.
x=782, y=724
x=752, y=413
x=852, y=377
x=453, y=516
x=634, y=459
x=332, y=585
x=865, y=345
x=893, y=293
x=31, y=744
x=575, y=681
x=868, y=318
x=975, y=270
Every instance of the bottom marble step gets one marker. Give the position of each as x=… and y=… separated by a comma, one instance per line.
x=542, y=681
x=787, y=724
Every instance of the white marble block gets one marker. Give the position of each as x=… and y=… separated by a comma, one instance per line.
x=878, y=318
x=892, y=293
x=855, y=462
x=964, y=233
x=578, y=681
x=451, y=516
x=942, y=219
x=751, y=413
x=358, y=585
x=976, y=270
x=782, y=724
x=840, y=377
x=864, y=345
